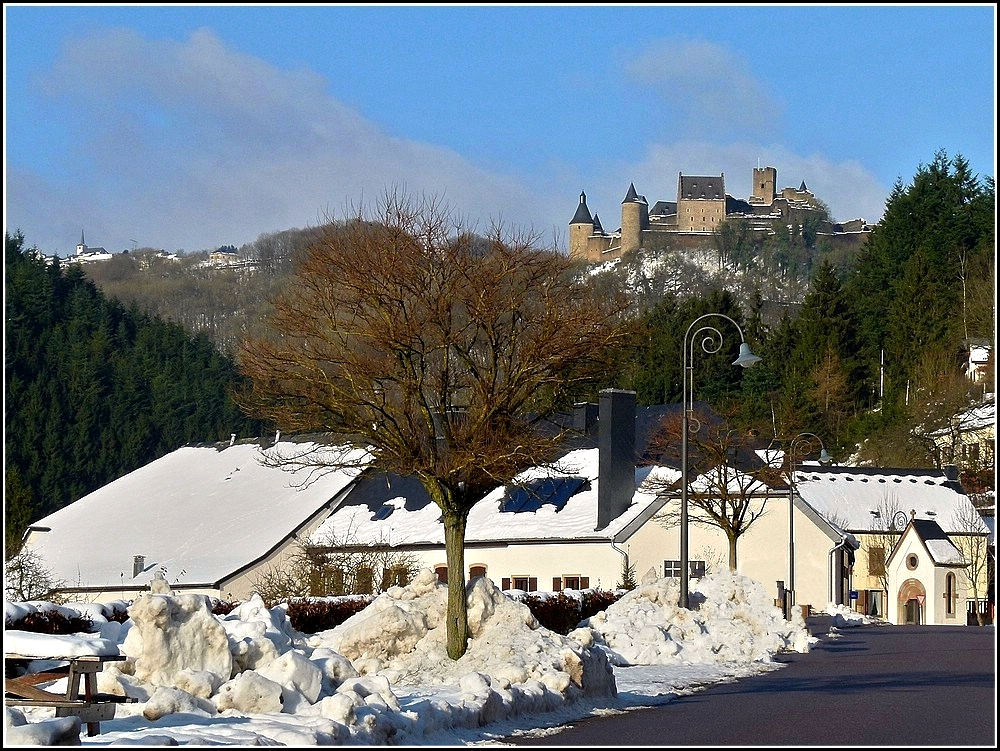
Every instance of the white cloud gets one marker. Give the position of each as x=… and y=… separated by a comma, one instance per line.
x=193, y=145
x=710, y=88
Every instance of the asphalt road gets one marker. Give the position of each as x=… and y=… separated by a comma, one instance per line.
x=872, y=685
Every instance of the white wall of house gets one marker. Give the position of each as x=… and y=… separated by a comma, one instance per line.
x=598, y=561
x=761, y=552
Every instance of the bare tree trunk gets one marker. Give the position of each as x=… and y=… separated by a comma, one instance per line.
x=733, y=539
x=458, y=622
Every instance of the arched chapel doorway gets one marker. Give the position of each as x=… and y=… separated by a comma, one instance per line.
x=910, y=603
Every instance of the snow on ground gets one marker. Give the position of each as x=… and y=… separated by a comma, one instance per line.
x=383, y=676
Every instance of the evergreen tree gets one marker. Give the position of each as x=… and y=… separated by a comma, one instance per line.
x=94, y=390
x=909, y=285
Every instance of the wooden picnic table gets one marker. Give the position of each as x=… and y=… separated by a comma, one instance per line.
x=80, y=699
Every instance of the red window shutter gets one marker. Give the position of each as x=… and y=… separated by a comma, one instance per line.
x=442, y=572
x=532, y=583
x=505, y=583
x=556, y=584
x=584, y=582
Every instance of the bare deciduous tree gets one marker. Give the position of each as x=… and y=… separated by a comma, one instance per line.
x=336, y=569
x=26, y=578
x=972, y=541
x=730, y=485
x=888, y=524
x=435, y=350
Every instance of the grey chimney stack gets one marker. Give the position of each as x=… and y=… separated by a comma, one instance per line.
x=138, y=564
x=584, y=417
x=616, y=462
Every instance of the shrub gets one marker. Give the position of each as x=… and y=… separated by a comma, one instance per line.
x=562, y=613
x=312, y=616
x=53, y=622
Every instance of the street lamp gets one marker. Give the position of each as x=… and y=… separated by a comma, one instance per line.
x=711, y=342
x=802, y=439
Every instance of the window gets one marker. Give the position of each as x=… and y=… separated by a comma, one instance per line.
x=875, y=606
x=950, y=595
x=364, y=581
x=524, y=583
x=476, y=571
x=442, y=572
x=395, y=576
x=876, y=561
x=911, y=561
x=672, y=569
x=572, y=581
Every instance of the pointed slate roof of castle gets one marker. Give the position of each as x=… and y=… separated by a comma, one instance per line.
x=597, y=224
x=582, y=215
x=631, y=196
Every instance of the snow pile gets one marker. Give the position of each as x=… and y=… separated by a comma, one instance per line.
x=181, y=660
x=732, y=620
x=402, y=636
x=844, y=616
x=383, y=676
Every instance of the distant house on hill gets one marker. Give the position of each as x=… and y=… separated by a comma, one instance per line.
x=86, y=254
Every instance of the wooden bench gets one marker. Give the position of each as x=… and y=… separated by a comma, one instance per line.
x=83, y=701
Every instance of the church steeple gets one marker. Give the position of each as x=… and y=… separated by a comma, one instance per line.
x=82, y=247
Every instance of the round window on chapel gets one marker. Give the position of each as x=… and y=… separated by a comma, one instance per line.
x=911, y=561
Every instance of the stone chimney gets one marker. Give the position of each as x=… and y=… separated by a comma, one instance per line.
x=616, y=463
x=585, y=417
x=138, y=564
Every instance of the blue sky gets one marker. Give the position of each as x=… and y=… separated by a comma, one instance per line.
x=193, y=126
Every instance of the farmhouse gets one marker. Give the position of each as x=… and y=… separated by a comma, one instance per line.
x=214, y=519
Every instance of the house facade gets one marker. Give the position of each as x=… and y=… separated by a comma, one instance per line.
x=215, y=519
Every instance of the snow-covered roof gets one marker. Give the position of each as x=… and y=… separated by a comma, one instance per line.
x=198, y=514
x=940, y=548
x=411, y=518
x=979, y=417
x=849, y=496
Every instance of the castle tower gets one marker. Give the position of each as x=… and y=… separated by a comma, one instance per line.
x=635, y=218
x=581, y=227
x=765, y=180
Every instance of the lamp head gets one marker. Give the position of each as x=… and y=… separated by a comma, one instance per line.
x=824, y=458
x=746, y=358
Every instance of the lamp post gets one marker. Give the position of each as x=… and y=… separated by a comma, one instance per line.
x=711, y=342
x=802, y=439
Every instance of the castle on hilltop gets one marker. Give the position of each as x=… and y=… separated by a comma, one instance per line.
x=701, y=207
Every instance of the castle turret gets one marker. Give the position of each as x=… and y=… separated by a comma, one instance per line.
x=635, y=218
x=581, y=227
x=765, y=180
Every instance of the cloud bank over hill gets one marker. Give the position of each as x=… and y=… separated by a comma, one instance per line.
x=188, y=145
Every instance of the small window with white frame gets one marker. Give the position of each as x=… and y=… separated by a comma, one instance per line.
x=672, y=569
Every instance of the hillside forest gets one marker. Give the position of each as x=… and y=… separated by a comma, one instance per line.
x=111, y=365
